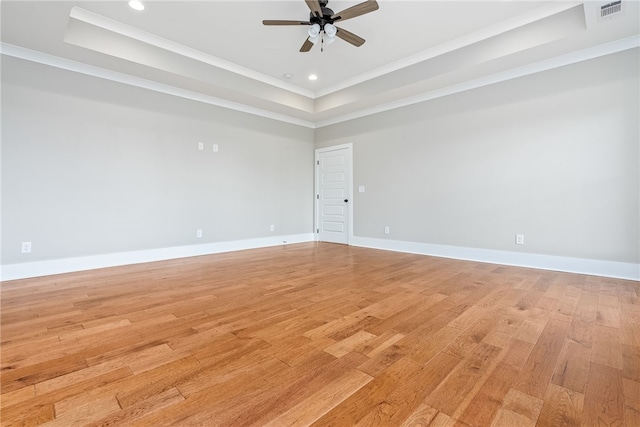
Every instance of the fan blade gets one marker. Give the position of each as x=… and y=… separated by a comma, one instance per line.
x=350, y=37
x=357, y=10
x=306, y=46
x=314, y=5
x=283, y=22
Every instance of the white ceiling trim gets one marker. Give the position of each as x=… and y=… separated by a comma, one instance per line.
x=542, y=12
x=91, y=70
x=180, y=49
x=560, y=61
x=537, y=67
x=521, y=20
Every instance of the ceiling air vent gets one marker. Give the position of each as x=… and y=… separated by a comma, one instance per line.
x=608, y=10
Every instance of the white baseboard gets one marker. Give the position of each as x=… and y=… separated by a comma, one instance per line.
x=619, y=270
x=68, y=265
x=592, y=267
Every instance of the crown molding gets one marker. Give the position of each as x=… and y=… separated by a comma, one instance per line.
x=91, y=70
x=180, y=49
x=548, y=64
x=525, y=70
x=521, y=20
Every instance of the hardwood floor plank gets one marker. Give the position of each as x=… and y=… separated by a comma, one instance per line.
x=581, y=331
x=299, y=383
x=604, y=398
x=84, y=414
x=345, y=346
x=466, y=342
x=439, y=340
x=450, y=393
x=400, y=403
x=131, y=415
x=381, y=361
x=487, y=401
x=321, y=402
x=608, y=316
x=562, y=407
x=533, y=325
x=421, y=304
x=518, y=409
x=423, y=416
x=606, y=349
x=368, y=397
x=631, y=402
x=14, y=379
x=379, y=344
x=572, y=369
x=31, y=416
x=319, y=334
x=630, y=323
x=507, y=325
x=538, y=369
x=631, y=362
x=17, y=396
x=156, y=381
x=517, y=353
x=587, y=308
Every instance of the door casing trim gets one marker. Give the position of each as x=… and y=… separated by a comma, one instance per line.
x=316, y=187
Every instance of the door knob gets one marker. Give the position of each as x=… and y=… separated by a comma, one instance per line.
x=346, y=200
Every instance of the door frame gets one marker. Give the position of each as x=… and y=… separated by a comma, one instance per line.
x=349, y=189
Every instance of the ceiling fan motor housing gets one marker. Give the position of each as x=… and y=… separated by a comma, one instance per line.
x=325, y=19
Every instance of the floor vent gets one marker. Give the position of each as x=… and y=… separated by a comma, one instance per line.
x=610, y=9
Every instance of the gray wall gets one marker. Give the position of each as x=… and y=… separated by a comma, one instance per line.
x=94, y=167
x=553, y=156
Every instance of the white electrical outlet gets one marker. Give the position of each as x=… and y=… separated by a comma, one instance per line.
x=272, y=227
x=198, y=233
x=361, y=189
x=26, y=247
x=200, y=146
x=215, y=148
x=386, y=229
x=519, y=239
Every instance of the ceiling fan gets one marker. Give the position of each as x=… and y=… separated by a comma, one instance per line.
x=321, y=23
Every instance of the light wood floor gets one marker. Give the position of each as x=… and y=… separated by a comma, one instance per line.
x=320, y=334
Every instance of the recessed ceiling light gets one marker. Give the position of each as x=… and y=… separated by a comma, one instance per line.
x=288, y=76
x=136, y=4
x=313, y=77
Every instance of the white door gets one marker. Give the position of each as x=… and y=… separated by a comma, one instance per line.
x=333, y=195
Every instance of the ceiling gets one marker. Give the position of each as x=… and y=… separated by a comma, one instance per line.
x=220, y=53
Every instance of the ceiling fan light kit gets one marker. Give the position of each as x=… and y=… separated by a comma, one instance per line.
x=321, y=23
x=314, y=30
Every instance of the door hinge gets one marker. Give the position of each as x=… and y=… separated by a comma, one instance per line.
x=317, y=230
x=318, y=162
x=318, y=196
